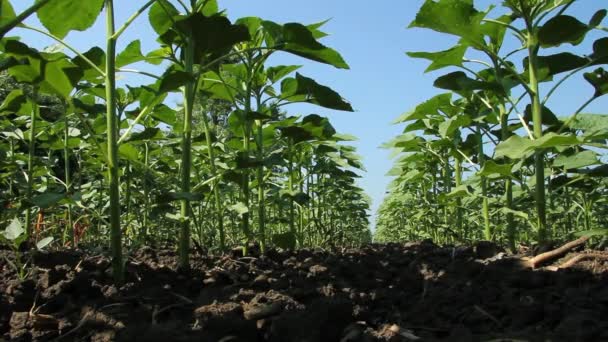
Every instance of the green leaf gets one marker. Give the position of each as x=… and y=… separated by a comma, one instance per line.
x=47, y=200
x=591, y=233
x=276, y=73
x=599, y=80
x=429, y=107
x=98, y=57
x=174, y=80
x=597, y=18
x=308, y=90
x=458, y=81
x=548, y=117
x=62, y=16
x=14, y=230
x=442, y=59
x=60, y=78
x=16, y=102
x=164, y=114
x=491, y=168
x=161, y=16
x=578, y=160
x=131, y=54
x=517, y=213
x=590, y=122
x=40, y=245
x=451, y=125
x=148, y=133
x=7, y=13
x=211, y=35
x=517, y=147
x=300, y=40
x=178, y=196
x=128, y=151
x=210, y=8
x=240, y=208
x=549, y=66
x=456, y=17
x=562, y=29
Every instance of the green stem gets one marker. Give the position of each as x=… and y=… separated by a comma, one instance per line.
x=189, y=96
x=71, y=48
x=484, y=188
x=30, y=161
x=144, y=231
x=129, y=21
x=112, y=136
x=68, y=182
x=511, y=228
x=539, y=155
x=292, y=228
x=216, y=191
x=22, y=17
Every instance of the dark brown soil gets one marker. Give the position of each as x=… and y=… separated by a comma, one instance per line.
x=417, y=291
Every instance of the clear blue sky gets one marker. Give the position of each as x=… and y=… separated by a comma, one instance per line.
x=372, y=37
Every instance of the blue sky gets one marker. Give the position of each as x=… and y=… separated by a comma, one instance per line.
x=372, y=37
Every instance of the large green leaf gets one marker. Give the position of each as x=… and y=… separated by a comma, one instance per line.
x=549, y=66
x=300, y=40
x=458, y=81
x=62, y=16
x=429, y=107
x=161, y=16
x=562, y=29
x=131, y=54
x=456, y=17
x=306, y=89
x=590, y=122
x=16, y=102
x=517, y=147
x=451, y=125
x=578, y=160
x=276, y=73
x=211, y=35
x=442, y=59
x=492, y=169
x=7, y=13
x=47, y=200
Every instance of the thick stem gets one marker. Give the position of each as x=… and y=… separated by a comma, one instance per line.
x=186, y=215
x=112, y=136
x=539, y=155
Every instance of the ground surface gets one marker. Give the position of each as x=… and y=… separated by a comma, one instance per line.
x=407, y=292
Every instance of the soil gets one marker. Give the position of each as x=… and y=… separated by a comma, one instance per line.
x=394, y=292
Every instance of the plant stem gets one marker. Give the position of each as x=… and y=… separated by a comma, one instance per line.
x=189, y=96
x=216, y=191
x=539, y=155
x=30, y=161
x=68, y=182
x=112, y=136
x=22, y=17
